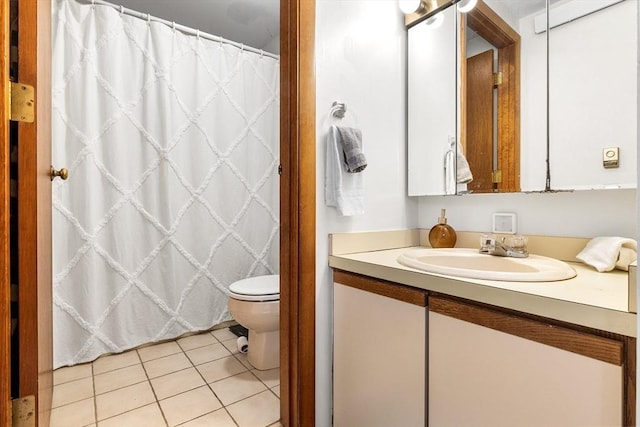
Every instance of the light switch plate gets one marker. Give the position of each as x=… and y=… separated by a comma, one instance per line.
x=504, y=222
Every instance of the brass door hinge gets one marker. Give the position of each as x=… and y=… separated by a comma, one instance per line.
x=22, y=103
x=23, y=412
x=496, y=176
x=497, y=78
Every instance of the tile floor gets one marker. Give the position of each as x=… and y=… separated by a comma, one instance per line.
x=199, y=380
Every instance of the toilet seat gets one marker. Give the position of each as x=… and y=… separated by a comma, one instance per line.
x=259, y=288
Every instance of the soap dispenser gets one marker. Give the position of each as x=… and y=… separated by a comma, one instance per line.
x=442, y=235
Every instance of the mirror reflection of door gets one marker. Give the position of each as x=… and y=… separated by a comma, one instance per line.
x=491, y=124
x=480, y=117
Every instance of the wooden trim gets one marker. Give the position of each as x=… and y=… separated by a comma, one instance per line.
x=34, y=210
x=629, y=382
x=509, y=117
x=483, y=20
x=596, y=347
x=396, y=291
x=27, y=208
x=5, y=262
x=297, y=212
x=488, y=24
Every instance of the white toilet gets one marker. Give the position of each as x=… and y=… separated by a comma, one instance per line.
x=255, y=304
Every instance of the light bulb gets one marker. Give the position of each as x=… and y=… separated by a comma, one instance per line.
x=465, y=6
x=409, y=6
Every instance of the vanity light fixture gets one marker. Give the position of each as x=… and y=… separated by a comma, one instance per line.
x=409, y=6
x=465, y=6
x=416, y=11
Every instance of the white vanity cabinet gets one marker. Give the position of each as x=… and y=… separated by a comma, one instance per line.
x=407, y=357
x=379, y=353
x=489, y=367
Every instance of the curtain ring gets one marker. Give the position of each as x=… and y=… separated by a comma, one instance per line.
x=261, y=53
x=148, y=18
x=221, y=40
x=198, y=34
x=173, y=25
x=121, y=10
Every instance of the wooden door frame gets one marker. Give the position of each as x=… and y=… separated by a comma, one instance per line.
x=490, y=26
x=34, y=211
x=297, y=213
x=5, y=262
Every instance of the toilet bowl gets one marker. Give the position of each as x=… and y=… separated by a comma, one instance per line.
x=255, y=304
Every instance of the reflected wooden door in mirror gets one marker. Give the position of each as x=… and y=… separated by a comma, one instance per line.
x=490, y=123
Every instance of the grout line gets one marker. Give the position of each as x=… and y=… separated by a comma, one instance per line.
x=95, y=402
x=152, y=389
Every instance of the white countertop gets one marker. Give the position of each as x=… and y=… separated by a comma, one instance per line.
x=597, y=300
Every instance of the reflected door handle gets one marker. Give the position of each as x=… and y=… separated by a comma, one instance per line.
x=62, y=173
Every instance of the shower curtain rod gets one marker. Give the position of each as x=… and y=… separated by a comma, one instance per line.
x=182, y=28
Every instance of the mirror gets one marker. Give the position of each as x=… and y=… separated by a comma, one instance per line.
x=579, y=129
x=593, y=101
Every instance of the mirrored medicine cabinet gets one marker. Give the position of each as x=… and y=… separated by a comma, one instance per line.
x=487, y=89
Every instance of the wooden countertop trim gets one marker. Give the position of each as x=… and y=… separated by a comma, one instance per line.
x=381, y=287
x=600, y=348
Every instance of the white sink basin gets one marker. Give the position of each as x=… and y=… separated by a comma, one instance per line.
x=469, y=263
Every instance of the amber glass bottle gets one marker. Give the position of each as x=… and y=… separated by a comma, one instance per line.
x=442, y=235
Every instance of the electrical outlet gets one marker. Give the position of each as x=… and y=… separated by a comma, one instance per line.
x=504, y=222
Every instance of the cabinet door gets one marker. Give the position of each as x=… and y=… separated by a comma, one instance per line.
x=379, y=360
x=479, y=376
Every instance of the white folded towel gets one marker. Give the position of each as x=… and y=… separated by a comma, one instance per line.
x=463, y=171
x=607, y=253
x=343, y=190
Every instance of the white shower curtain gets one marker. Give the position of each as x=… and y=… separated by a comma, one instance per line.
x=171, y=142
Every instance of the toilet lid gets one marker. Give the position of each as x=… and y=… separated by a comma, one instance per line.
x=259, y=288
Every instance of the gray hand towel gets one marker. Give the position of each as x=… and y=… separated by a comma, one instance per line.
x=351, y=140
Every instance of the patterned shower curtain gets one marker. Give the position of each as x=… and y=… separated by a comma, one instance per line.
x=171, y=142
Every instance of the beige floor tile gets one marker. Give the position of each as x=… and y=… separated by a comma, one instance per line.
x=148, y=416
x=166, y=365
x=244, y=360
x=70, y=373
x=156, y=351
x=72, y=391
x=123, y=400
x=231, y=345
x=224, y=334
x=176, y=383
x=77, y=414
x=260, y=410
x=237, y=387
x=189, y=405
x=119, y=378
x=195, y=341
x=276, y=390
x=270, y=378
x=208, y=353
x=115, y=361
x=219, y=418
x=221, y=368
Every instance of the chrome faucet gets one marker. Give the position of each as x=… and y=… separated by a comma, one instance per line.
x=492, y=246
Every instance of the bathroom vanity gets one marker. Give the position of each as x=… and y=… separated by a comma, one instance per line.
x=414, y=348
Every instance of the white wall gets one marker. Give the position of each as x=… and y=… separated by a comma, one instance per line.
x=361, y=61
x=578, y=214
